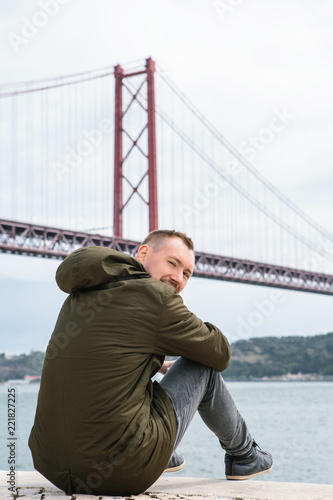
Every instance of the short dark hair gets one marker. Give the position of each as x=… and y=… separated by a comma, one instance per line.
x=157, y=238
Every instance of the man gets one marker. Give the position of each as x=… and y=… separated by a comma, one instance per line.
x=102, y=426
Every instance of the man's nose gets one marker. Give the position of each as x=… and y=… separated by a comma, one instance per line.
x=178, y=276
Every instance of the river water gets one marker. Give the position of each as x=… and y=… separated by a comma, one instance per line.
x=291, y=420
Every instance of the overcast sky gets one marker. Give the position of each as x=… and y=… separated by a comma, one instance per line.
x=236, y=61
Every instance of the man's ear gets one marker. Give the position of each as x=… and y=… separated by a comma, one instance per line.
x=142, y=253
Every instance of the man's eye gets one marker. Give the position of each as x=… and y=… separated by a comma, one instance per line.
x=172, y=263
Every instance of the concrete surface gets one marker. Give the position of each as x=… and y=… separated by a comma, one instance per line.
x=33, y=486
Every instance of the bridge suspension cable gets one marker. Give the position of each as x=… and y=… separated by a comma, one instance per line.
x=284, y=199
x=239, y=188
x=262, y=194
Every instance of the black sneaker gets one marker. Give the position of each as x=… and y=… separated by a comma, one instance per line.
x=252, y=464
x=176, y=462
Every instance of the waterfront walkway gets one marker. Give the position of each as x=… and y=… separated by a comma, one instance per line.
x=33, y=486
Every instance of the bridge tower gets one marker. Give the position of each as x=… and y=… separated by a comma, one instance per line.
x=120, y=131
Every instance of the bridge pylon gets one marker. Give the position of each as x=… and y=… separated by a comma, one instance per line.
x=146, y=102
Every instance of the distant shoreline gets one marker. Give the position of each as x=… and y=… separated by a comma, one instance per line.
x=259, y=359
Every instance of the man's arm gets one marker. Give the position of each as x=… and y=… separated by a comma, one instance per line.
x=181, y=333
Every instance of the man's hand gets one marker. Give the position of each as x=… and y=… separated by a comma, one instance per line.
x=165, y=367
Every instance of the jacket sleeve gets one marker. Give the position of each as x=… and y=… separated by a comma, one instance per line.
x=181, y=333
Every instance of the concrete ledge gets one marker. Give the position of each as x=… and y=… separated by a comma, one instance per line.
x=33, y=486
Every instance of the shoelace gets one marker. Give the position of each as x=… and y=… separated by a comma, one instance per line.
x=255, y=445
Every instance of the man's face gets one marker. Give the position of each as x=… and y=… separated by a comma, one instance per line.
x=172, y=264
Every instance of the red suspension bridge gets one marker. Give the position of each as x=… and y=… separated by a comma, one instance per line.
x=114, y=153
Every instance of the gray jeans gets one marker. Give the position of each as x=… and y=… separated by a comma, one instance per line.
x=191, y=387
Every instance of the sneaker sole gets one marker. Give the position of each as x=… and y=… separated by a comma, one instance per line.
x=252, y=475
x=174, y=469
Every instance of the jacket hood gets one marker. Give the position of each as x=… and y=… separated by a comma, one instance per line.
x=92, y=266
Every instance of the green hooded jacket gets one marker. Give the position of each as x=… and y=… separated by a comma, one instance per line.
x=102, y=426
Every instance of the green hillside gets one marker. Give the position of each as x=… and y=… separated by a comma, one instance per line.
x=272, y=357
x=251, y=359
x=16, y=367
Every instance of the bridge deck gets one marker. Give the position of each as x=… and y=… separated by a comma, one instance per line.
x=47, y=242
